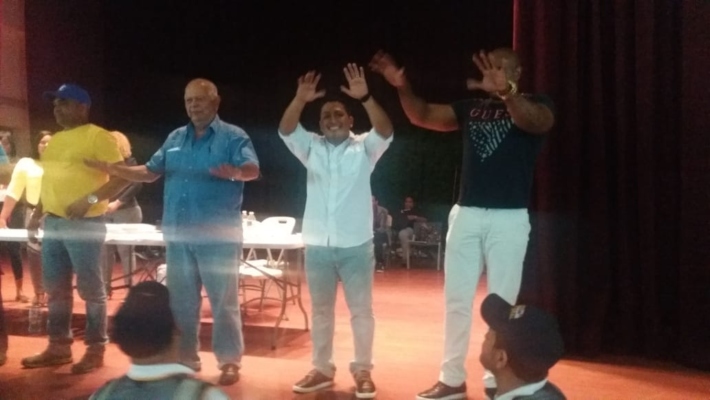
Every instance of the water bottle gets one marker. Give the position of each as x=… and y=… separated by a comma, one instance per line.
x=35, y=323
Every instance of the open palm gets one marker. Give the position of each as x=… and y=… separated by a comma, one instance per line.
x=308, y=87
x=357, y=86
x=494, y=78
x=384, y=64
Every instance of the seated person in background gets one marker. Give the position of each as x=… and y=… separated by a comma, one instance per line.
x=144, y=329
x=379, y=230
x=403, y=223
x=522, y=344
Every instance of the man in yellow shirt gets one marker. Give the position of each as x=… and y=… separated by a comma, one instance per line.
x=74, y=198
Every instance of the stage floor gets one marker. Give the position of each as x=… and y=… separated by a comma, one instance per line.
x=408, y=345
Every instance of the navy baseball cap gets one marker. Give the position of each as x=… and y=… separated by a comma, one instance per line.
x=531, y=335
x=144, y=325
x=71, y=92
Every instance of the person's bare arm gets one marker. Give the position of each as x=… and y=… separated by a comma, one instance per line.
x=7, y=207
x=358, y=90
x=305, y=93
x=247, y=172
x=132, y=173
x=437, y=117
x=530, y=116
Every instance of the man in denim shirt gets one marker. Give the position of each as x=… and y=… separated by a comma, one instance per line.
x=205, y=164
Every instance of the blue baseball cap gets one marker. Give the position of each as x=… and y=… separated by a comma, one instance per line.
x=71, y=92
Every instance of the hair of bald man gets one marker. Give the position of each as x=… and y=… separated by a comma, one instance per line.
x=209, y=85
x=509, y=54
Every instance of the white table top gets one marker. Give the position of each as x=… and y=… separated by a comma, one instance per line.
x=148, y=235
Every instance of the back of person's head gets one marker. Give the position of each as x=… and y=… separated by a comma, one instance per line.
x=529, y=336
x=144, y=325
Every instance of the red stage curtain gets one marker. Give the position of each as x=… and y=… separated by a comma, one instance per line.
x=605, y=252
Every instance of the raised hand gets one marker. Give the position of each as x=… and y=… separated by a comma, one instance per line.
x=494, y=78
x=384, y=64
x=307, y=87
x=357, y=86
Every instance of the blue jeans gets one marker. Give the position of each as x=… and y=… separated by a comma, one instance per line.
x=68, y=247
x=354, y=266
x=216, y=266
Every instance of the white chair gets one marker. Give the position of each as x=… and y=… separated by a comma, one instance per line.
x=427, y=234
x=276, y=226
x=256, y=270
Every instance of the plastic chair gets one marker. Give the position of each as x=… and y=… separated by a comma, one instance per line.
x=427, y=234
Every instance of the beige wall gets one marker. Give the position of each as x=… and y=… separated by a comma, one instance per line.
x=13, y=72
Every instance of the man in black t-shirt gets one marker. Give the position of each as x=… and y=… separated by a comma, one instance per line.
x=502, y=135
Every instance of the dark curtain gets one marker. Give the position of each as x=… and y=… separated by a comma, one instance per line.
x=606, y=249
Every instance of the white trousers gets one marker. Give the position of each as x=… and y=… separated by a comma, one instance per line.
x=496, y=238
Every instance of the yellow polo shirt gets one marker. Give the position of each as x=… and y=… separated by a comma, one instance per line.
x=66, y=177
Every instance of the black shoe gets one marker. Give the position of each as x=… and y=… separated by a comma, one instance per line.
x=312, y=382
x=93, y=359
x=364, y=387
x=230, y=375
x=441, y=391
x=53, y=355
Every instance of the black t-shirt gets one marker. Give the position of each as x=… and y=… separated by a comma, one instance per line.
x=498, y=157
x=400, y=220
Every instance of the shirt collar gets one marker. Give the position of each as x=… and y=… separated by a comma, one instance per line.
x=347, y=140
x=525, y=390
x=213, y=126
x=154, y=372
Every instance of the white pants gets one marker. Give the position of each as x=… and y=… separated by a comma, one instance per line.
x=496, y=237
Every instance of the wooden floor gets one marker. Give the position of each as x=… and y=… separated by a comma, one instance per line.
x=408, y=344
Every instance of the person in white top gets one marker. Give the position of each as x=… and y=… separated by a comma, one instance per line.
x=337, y=225
x=26, y=183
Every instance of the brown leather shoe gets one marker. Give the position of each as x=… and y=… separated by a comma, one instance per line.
x=312, y=382
x=441, y=391
x=53, y=355
x=364, y=386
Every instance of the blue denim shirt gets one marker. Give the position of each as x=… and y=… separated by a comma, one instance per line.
x=198, y=206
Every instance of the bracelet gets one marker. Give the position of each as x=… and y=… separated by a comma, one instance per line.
x=511, y=92
x=365, y=98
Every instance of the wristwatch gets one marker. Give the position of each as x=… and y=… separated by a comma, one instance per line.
x=92, y=199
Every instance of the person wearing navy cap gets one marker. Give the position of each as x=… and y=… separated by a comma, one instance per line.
x=522, y=344
x=74, y=199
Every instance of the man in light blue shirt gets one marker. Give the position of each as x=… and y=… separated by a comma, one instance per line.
x=337, y=225
x=205, y=164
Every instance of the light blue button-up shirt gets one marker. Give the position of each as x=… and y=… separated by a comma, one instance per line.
x=198, y=206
